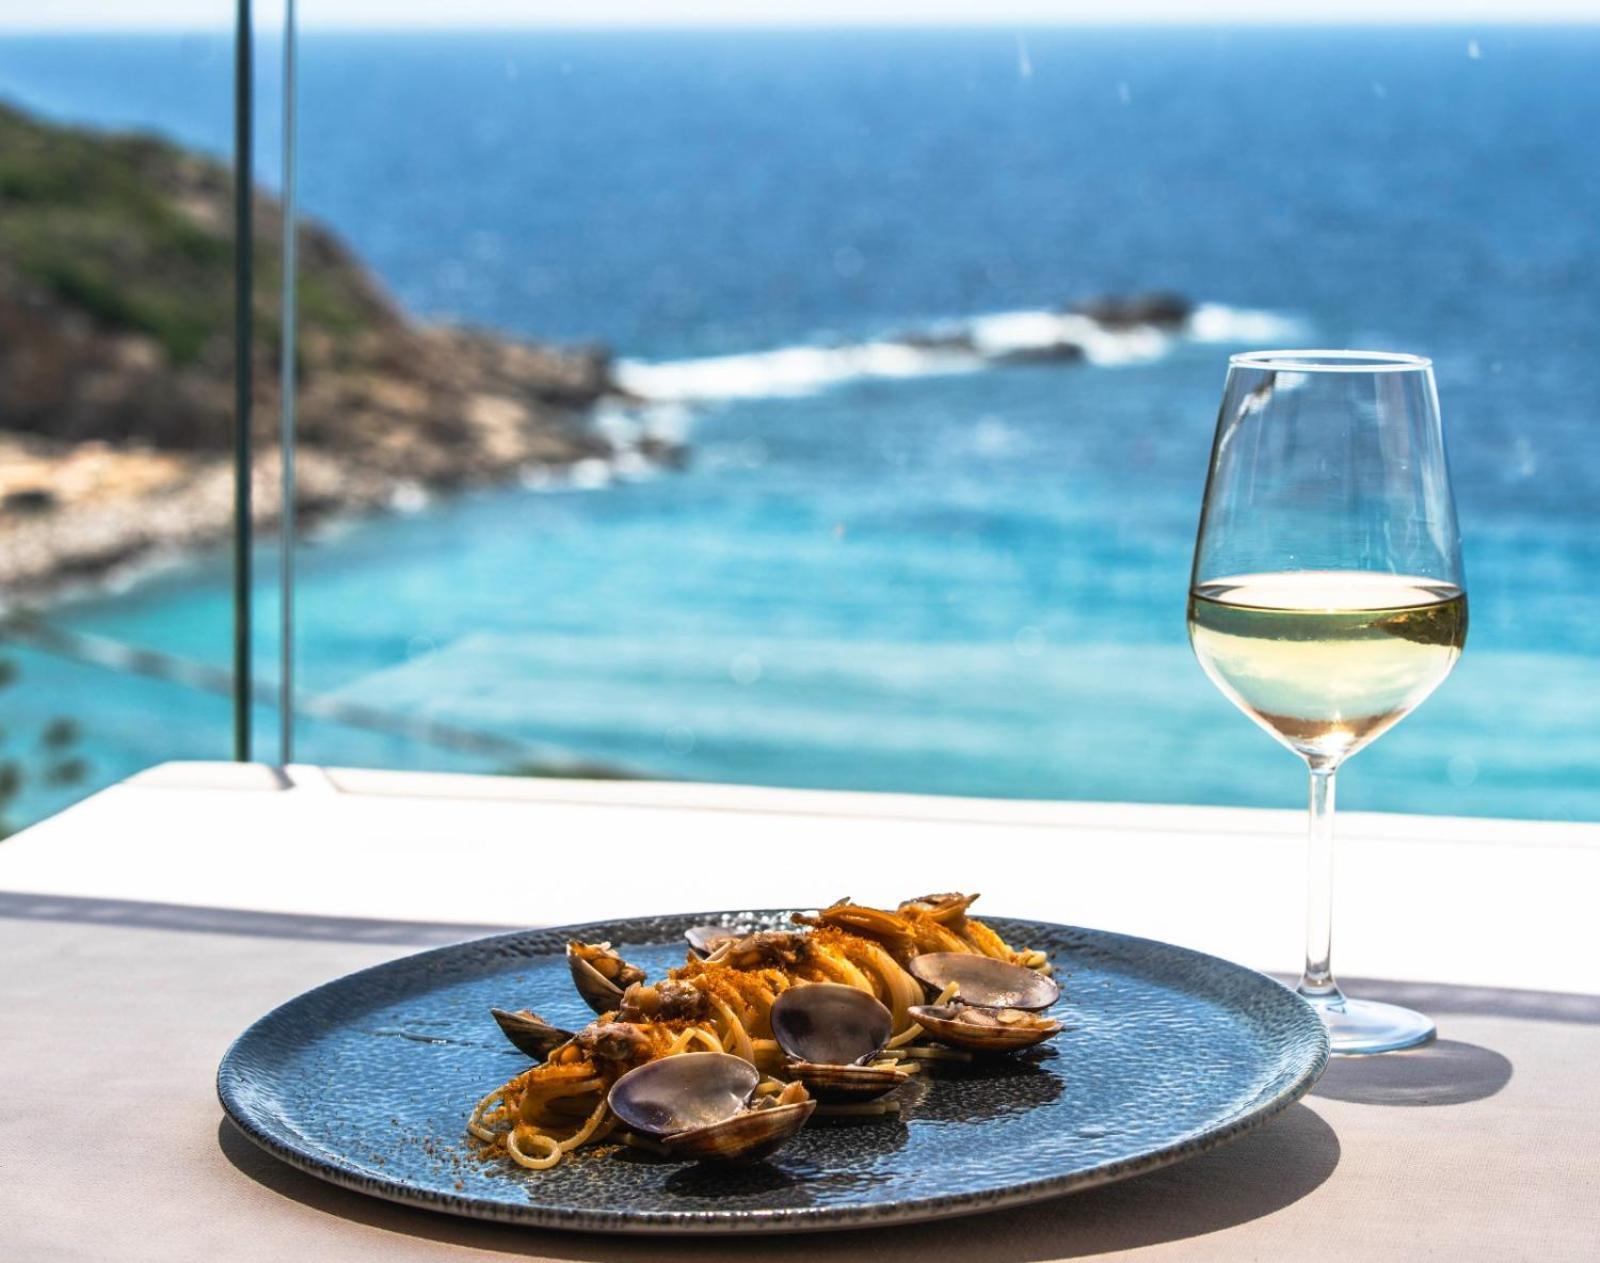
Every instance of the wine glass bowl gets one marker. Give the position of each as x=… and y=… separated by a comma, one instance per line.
x=1327, y=599
x=1326, y=660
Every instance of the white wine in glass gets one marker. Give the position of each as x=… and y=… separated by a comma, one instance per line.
x=1327, y=660
x=1327, y=600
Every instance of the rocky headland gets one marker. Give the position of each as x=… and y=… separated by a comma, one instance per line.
x=116, y=368
x=117, y=371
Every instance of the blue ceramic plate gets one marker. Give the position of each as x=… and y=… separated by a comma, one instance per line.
x=367, y=1082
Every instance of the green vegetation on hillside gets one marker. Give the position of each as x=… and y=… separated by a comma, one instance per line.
x=138, y=234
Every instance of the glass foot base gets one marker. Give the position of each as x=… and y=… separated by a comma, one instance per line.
x=1365, y=1026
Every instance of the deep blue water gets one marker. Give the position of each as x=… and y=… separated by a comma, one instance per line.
x=967, y=583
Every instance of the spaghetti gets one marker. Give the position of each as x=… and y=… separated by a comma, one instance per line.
x=723, y=1003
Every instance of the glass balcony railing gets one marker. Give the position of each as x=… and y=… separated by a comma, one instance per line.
x=116, y=402
x=792, y=407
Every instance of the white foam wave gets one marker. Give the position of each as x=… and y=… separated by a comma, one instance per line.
x=952, y=347
x=791, y=371
x=1018, y=333
x=1213, y=322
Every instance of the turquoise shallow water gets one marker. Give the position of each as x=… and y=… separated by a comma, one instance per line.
x=886, y=575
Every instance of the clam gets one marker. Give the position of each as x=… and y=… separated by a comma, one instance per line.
x=829, y=1032
x=668, y=1001
x=530, y=1032
x=705, y=939
x=698, y=1105
x=984, y=981
x=998, y=1007
x=761, y=949
x=620, y=1043
x=755, y=1133
x=600, y=975
x=984, y=1030
x=845, y=1084
x=946, y=909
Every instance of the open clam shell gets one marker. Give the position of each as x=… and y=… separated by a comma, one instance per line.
x=600, y=993
x=705, y=939
x=530, y=1032
x=947, y=909
x=842, y=1085
x=677, y=1094
x=827, y=1031
x=697, y=1104
x=746, y=1137
x=984, y=981
x=984, y=1030
x=826, y=1023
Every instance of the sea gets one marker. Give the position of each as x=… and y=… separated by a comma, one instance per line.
x=891, y=568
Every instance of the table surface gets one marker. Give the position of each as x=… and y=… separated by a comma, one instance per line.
x=118, y=1006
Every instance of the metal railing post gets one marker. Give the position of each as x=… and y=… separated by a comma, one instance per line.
x=243, y=303
x=289, y=322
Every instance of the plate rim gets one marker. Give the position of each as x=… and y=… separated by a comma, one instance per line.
x=334, y=1169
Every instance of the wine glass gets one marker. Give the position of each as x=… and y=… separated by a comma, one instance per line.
x=1327, y=598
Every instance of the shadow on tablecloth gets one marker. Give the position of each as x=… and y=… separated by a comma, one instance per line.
x=1445, y=1072
x=1254, y=1176
x=186, y=919
x=1439, y=1000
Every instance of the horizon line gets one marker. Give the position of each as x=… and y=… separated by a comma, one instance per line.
x=1399, y=20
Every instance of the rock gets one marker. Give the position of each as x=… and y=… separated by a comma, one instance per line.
x=667, y=453
x=934, y=340
x=30, y=500
x=1160, y=309
x=1051, y=353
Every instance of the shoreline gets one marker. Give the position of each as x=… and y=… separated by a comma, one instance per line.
x=76, y=520
x=117, y=415
x=116, y=424
x=475, y=410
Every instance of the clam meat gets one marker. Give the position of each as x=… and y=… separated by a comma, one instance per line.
x=667, y=1001
x=705, y=939
x=975, y=1028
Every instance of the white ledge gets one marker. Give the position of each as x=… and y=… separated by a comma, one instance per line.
x=1421, y=898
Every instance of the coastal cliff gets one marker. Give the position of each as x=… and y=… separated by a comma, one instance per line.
x=117, y=373
x=116, y=366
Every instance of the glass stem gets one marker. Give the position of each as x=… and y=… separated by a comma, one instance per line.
x=1317, y=983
